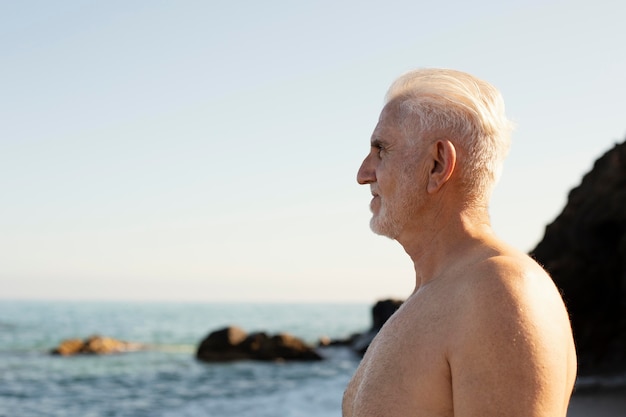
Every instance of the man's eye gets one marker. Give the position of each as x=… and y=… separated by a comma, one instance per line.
x=378, y=148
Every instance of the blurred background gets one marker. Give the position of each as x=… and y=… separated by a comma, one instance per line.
x=207, y=150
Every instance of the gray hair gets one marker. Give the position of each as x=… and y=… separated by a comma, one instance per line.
x=463, y=109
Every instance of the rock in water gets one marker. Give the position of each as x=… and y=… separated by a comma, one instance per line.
x=94, y=345
x=584, y=250
x=286, y=347
x=223, y=345
x=359, y=342
x=232, y=343
x=381, y=312
x=68, y=347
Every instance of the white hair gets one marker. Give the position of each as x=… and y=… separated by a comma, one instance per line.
x=467, y=111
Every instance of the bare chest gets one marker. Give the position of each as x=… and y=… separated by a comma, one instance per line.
x=405, y=371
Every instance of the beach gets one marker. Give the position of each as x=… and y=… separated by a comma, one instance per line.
x=600, y=402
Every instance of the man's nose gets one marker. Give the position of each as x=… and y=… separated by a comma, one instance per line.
x=366, y=174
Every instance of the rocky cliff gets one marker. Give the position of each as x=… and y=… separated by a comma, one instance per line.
x=584, y=250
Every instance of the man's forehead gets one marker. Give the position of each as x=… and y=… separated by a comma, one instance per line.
x=388, y=123
x=390, y=110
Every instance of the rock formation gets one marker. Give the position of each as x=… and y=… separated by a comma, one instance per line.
x=233, y=343
x=381, y=312
x=94, y=345
x=359, y=342
x=584, y=250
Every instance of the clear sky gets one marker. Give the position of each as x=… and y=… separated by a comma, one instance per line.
x=207, y=150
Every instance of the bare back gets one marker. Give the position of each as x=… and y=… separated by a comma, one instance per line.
x=489, y=337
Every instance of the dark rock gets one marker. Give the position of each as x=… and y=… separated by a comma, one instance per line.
x=584, y=250
x=94, y=345
x=224, y=345
x=381, y=312
x=287, y=347
x=232, y=343
x=359, y=342
x=348, y=341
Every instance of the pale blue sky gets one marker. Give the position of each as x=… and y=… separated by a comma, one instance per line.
x=205, y=150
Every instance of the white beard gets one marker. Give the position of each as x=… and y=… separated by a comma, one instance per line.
x=396, y=212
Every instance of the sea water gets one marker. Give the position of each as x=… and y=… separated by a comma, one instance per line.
x=167, y=380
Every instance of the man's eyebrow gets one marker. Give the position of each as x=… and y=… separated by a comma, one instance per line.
x=376, y=142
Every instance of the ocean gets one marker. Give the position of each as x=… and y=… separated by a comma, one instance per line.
x=167, y=380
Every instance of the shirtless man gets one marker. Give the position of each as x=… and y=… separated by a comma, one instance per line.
x=485, y=332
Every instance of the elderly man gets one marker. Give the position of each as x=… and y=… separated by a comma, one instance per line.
x=485, y=332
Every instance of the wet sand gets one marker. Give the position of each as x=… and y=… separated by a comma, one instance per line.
x=600, y=402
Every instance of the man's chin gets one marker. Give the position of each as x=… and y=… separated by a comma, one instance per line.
x=381, y=228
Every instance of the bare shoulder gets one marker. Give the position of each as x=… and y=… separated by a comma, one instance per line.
x=512, y=346
x=511, y=286
x=509, y=279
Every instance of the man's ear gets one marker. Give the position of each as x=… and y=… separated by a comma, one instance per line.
x=444, y=162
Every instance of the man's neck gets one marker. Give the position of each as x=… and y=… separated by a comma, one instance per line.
x=442, y=241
